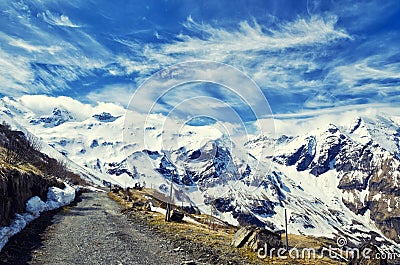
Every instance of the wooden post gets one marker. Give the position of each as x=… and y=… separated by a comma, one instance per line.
x=168, y=213
x=286, y=231
x=211, y=216
x=183, y=192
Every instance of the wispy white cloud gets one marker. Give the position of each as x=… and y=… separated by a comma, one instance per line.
x=44, y=105
x=322, y=99
x=34, y=48
x=294, y=61
x=351, y=74
x=248, y=41
x=364, y=14
x=57, y=19
x=275, y=58
x=47, y=60
x=300, y=123
x=251, y=47
x=336, y=110
x=253, y=37
x=205, y=78
x=14, y=73
x=116, y=93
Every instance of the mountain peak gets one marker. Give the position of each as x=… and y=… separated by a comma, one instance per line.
x=58, y=117
x=105, y=117
x=357, y=123
x=332, y=128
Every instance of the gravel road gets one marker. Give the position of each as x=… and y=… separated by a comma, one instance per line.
x=92, y=232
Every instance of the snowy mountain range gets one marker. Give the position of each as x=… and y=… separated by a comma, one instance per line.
x=336, y=179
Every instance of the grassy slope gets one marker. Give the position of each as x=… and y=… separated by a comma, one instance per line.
x=24, y=168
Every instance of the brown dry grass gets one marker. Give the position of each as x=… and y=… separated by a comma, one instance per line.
x=24, y=168
x=219, y=237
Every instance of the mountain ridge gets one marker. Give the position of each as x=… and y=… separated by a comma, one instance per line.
x=328, y=179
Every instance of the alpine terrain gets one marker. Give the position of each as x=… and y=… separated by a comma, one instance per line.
x=334, y=180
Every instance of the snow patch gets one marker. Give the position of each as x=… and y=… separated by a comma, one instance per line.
x=348, y=196
x=56, y=198
x=389, y=208
x=377, y=197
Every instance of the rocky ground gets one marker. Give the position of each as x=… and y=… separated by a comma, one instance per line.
x=94, y=231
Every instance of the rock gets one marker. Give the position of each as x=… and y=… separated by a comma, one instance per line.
x=58, y=117
x=138, y=204
x=241, y=236
x=176, y=216
x=116, y=189
x=148, y=205
x=256, y=238
x=191, y=209
x=368, y=254
x=189, y=262
x=105, y=117
x=264, y=237
x=223, y=204
x=17, y=187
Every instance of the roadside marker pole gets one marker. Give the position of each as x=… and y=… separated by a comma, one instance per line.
x=286, y=231
x=168, y=213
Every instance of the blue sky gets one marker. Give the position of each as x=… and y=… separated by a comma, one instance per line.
x=306, y=56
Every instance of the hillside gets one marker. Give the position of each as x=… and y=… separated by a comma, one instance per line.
x=30, y=182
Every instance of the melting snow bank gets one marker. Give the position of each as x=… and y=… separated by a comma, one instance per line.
x=56, y=198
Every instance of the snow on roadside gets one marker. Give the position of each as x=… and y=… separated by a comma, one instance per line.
x=56, y=198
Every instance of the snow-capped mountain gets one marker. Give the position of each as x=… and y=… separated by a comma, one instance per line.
x=335, y=180
x=363, y=159
x=58, y=117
